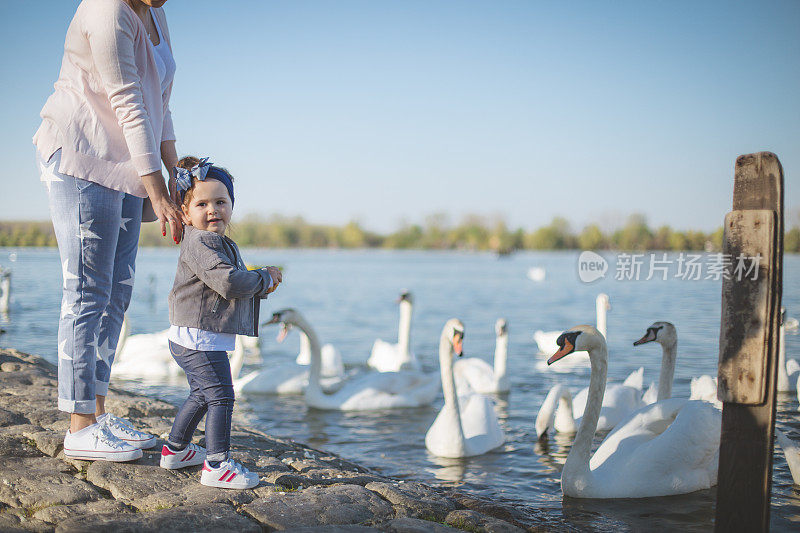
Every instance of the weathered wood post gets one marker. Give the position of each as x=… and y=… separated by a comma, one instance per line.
x=748, y=344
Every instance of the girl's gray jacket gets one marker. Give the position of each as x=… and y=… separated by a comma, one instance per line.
x=213, y=289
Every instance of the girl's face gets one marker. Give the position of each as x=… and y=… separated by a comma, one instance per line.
x=210, y=207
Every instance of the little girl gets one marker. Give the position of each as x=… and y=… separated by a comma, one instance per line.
x=214, y=298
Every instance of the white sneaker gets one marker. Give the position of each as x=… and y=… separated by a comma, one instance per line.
x=229, y=475
x=97, y=443
x=190, y=456
x=123, y=429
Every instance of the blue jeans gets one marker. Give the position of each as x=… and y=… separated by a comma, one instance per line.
x=97, y=230
x=211, y=391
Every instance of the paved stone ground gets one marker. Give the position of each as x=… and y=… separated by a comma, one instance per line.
x=302, y=489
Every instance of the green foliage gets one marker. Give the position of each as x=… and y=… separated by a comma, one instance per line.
x=473, y=232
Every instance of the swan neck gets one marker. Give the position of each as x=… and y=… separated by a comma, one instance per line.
x=237, y=358
x=500, y=356
x=315, y=368
x=602, y=319
x=404, y=328
x=305, y=347
x=123, y=336
x=669, y=353
x=449, y=384
x=578, y=458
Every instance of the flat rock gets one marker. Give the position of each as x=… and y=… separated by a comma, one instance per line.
x=37, y=482
x=193, y=494
x=333, y=529
x=415, y=525
x=318, y=506
x=15, y=444
x=10, y=418
x=17, y=522
x=474, y=521
x=414, y=499
x=130, y=481
x=59, y=513
x=48, y=442
x=211, y=517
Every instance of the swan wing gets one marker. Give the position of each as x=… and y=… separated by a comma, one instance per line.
x=474, y=374
x=385, y=357
x=670, y=447
x=792, y=453
x=482, y=431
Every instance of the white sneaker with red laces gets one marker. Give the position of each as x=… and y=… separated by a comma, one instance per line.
x=229, y=475
x=190, y=456
x=123, y=430
x=97, y=443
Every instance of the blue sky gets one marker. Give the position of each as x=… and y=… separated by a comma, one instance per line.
x=387, y=111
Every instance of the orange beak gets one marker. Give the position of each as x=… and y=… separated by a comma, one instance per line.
x=458, y=346
x=650, y=336
x=282, y=334
x=566, y=350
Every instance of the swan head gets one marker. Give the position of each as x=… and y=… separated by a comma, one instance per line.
x=501, y=327
x=580, y=338
x=603, y=301
x=286, y=318
x=405, y=296
x=453, y=333
x=661, y=332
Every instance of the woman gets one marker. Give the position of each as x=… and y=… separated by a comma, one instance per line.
x=104, y=134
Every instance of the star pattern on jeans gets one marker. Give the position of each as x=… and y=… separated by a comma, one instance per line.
x=86, y=233
x=104, y=352
x=49, y=174
x=65, y=273
x=93, y=344
x=67, y=309
x=62, y=351
x=132, y=275
x=123, y=223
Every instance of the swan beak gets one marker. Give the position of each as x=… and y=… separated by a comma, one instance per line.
x=458, y=346
x=650, y=336
x=282, y=333
x=566, y=350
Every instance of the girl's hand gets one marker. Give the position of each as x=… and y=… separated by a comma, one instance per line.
x=277, y=277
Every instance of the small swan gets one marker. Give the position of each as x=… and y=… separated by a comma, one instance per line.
x=288, y=377
x=546, y=340
x=665, y=448
x=145, y=355
x=564, y=413
x=387, y=357
x=475, y=374
x=369, y=391
x=792, y=453
x=466, y=426
x=788, y=371
x=5, y=289
x=332, y=364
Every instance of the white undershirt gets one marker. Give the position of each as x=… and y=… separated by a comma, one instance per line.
x=165, y=63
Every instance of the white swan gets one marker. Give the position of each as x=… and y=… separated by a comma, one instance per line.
x=369, y=391
x=332, y=364
x=546, y=340
x=792, y=453
x=788, y=371
x=145, y=355
x=662, y=449
x=387, y=357
x=476, y=374
x=5, y=289
x=288, y=377
x=466, y=426
x=564, y=413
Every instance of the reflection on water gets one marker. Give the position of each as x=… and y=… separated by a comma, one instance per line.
x=349, y=299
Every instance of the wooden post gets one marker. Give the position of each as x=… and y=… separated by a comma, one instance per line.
x=748, y=357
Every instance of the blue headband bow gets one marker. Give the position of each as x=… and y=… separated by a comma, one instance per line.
x=202, y=171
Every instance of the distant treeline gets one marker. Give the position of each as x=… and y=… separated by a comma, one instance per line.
x=436, y=233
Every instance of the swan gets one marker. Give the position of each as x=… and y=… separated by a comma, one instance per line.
x=286, y=378
x=476, y=374
x=792, y=453
x=5, y=289
x=563, y=412
x=332, y=364
x=466, y=426
x=669, y=447
x=387, y=357
x=788, y=371
x=546, y=340
x=145, y=355
x=368, y=391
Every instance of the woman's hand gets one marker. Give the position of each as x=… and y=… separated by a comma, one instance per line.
x=165, y=209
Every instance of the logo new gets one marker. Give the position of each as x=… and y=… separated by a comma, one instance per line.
x=591, y=267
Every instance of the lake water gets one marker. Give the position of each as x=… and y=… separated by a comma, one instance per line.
x=349, y=298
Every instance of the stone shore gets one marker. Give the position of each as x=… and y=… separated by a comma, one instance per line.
x=302, y=489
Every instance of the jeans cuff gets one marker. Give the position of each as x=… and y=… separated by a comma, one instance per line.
x=221, y=456
x=101, y=388
x=83, y=407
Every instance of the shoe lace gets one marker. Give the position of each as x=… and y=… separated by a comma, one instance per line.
x=236, y=467
x=104, y=435
x=123, y=425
